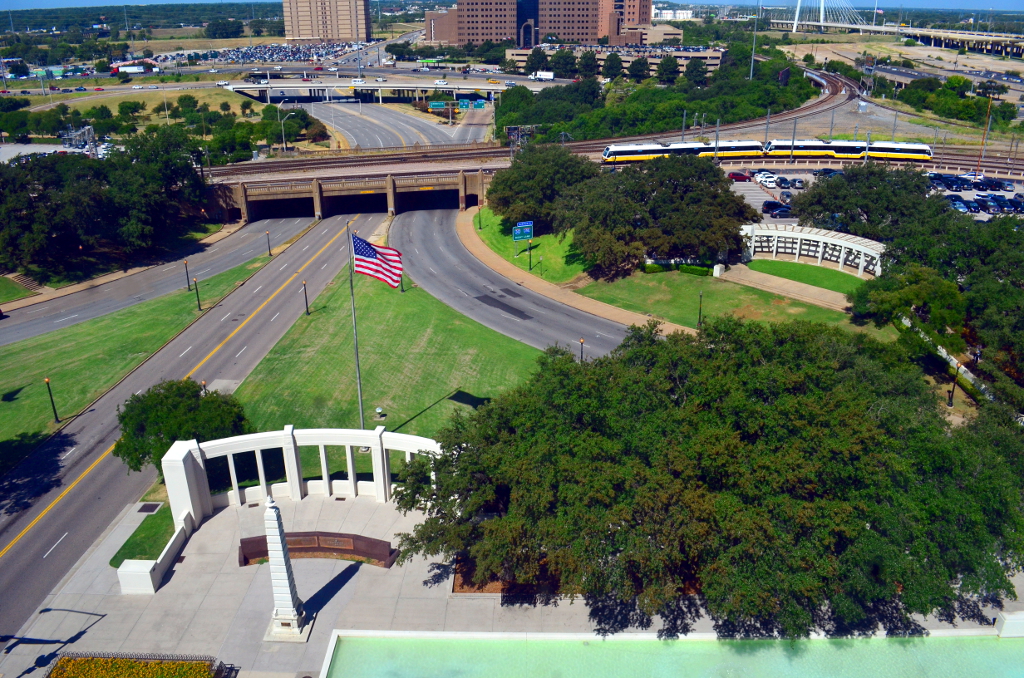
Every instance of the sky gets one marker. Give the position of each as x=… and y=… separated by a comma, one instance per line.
x=966, y=5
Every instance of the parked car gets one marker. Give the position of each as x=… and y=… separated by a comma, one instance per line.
x=1017, y=205
x=826, y=172
x=988, y=207
x=937, y=185
x=796, y=183
x=769, y=206
x=959, y=207
x=786, y=197
x=739, y=176
x=971, y=206
x=768, y=182
x=973, y=176
x=784, y=212
x=782, y=182
x=1006, y=186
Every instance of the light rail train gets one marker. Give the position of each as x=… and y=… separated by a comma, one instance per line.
x=776, y=148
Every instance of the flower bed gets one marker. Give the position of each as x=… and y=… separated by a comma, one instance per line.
x=136, y=667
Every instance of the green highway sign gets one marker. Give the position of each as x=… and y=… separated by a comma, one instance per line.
x=522, y=231
x=479, y=104
x=437, y=104
x=463, y=103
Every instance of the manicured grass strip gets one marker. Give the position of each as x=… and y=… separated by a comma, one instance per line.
x=149, y=538
x=10, y=290
x=561, y=263
x=826, y=278
x=84, y=360
x=674, y=296
x=420, y=359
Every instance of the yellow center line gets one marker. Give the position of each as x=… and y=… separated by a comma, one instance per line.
x=54, y=502
x=276, y=292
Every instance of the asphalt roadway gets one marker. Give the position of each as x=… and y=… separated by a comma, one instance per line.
x=374, y=126
x=206, y=261
x=40, y=537
x=436, y=260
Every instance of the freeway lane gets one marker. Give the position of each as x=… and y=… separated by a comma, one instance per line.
x=228, y=342
x=436, y=259
x=239, y=247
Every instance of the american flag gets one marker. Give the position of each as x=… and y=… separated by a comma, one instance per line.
x=382, y=263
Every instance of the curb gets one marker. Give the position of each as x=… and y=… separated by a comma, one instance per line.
x=468, y=236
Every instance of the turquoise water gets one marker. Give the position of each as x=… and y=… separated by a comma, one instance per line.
x=985, y=657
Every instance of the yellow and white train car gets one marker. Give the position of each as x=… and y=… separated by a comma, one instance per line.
x=640, y=152
x=846, y=150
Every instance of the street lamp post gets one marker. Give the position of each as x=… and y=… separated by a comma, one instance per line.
x=284, y=144
x=529, y=249
x=188, y=280
x=56, y=419
x=198, y=305
x=305, y=297
x=269, y=253
x=581, y=349
x=700, y=310
x=949, y=401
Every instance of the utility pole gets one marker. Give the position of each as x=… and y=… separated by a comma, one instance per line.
x=717, y=124
x=767, y=122
x=753, y=49
x=831, y=123
x=683, y=137
x=792, y=145
x=867, y=149
x=895, y=115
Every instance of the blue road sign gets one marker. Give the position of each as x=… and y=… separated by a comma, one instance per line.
x=522, y=231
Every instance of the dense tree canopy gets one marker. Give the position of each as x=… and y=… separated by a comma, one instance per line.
x=984, y=259
x=798, y=476
x=56, y=209
x=664, y=208
x=174, y=410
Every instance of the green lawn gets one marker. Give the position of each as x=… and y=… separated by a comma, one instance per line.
x=420, y=359
x=827, y=278
x=149, y=538
x=674, y=296
x=560, y=264
x=84, y=360
x=10, y=290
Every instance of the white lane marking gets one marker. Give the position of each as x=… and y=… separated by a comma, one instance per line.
x=305, y=248
x=511, y=318
x=417, y=249
x=460, y=289
x=282, y=268
x=186, y=351
x=324, y=266
x=242, y=351
x=214, y=250
x=63, y=319
x=257, y=289
x=323, y=231
x=275, y=317
x=202, y=272
x=602, y=335
x=69, y=452
x=247, y=251
x=225, y=318
x=55, y=545
x=38, y=310
x=432, y=270
x=167, y=269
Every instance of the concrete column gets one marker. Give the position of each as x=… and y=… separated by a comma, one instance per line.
x=350, y=466
x=242, y=198
x=328, y=490
x=292, y=465
x=462, y=191
x=381, y=467
x=799, y=246
x=288, y=618
x=389, y=183
x=481, y=196
x=317, y=199
x=863, y=259
x=775, y=246
x=234, y=479
x=263, y=477
x=842, y=257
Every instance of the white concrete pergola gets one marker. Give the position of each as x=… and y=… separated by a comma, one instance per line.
x=801, y=241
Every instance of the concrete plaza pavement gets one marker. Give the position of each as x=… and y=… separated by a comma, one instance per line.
x=209, y=605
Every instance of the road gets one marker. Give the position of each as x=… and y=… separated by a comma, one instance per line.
x=205, y=261
x=374, y=126
x=222, y=347
x=437, y=261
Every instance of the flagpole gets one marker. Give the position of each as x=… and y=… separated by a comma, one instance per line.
x=355, y=332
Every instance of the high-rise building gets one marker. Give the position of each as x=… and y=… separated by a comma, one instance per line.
x=481, y=20
x=614, y=14
x=327, y=20
x=570, y=20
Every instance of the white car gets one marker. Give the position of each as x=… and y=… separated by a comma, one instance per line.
x=264, y=82
x=277, y=68
x=768, y=182
x=358, y=81
x=214, y=70
x=973, y=176
x=222, y=83
x=137, y=87
x=154, y=87
x=761, y=177
x=380, y=79
x=441, y=82
x=333, y=69
x=254, y=70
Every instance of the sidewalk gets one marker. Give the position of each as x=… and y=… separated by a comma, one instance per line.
x=49, y=293
x=471, y=240
x=788, y=288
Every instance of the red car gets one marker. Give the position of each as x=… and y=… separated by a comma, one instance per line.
x=739, y=176
x=99, y=89
x=319, y=68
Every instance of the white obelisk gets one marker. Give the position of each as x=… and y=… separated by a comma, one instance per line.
x=288, y=620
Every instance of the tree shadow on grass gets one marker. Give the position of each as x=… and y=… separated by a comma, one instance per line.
x=28, y=469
